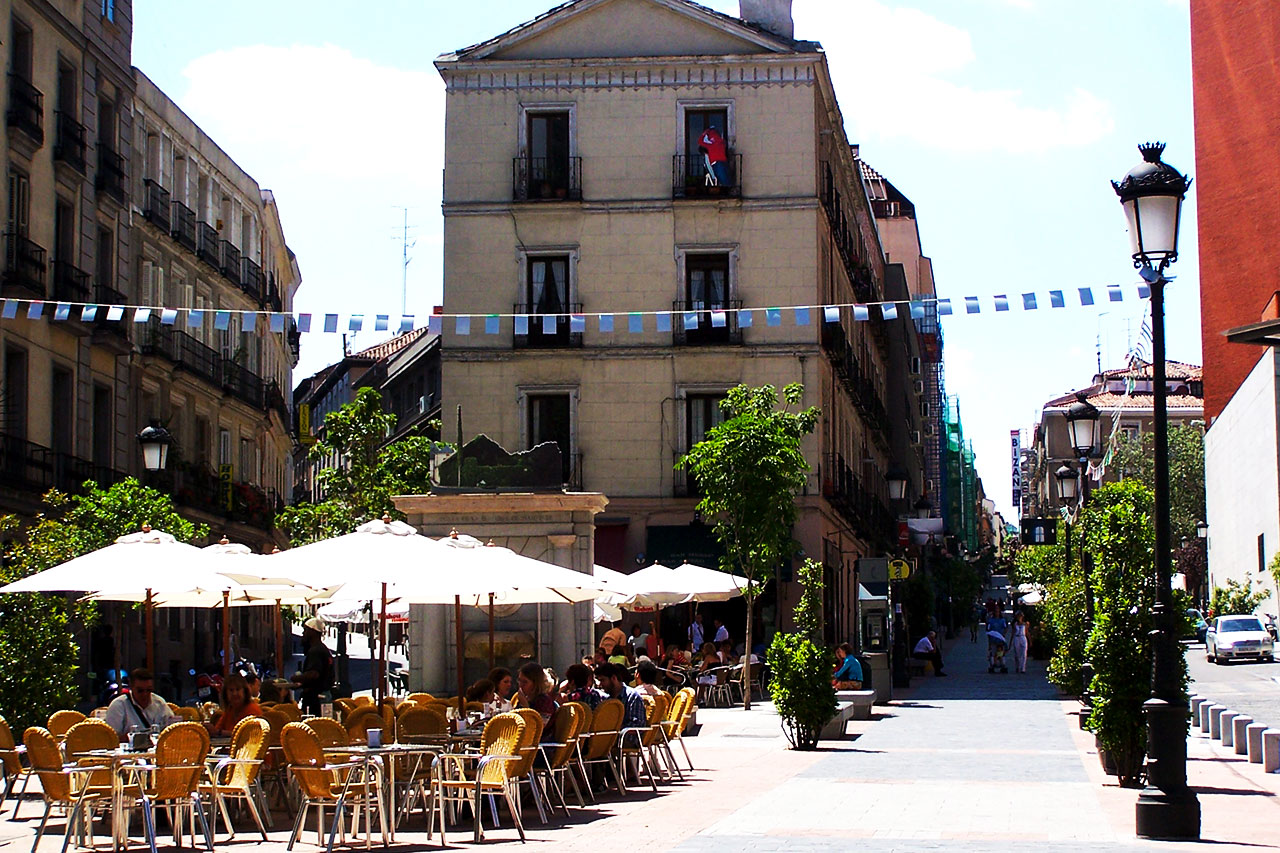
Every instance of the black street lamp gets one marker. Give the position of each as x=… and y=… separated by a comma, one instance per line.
x=923, y=508
x=897, y=480
x=1068, y=484
x=1152, y=194
x=155, y=441
x=1082, y=426
x=1202, y=533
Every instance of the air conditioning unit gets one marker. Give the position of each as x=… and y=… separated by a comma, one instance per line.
x=919, y=386
x=915, y=437
x=915, y=365
x=928, y=429
x=422, y=405
x=924, y=408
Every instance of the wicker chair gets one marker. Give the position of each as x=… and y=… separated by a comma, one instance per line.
x=522, y=771
x=419, y=697
x=290, y=711
x=274, y=773
x=597, y=743
x=331, y=732
x=677, y=721
x=11, y=766
x=363, y=700
x=63, y=786
x=491, y=775
x=324, y=784
x=173, y=780
x=60, y=722
x=558, y=756
x=345, y=707
x=236, y=775
x=360, y=721
x=87, y=735
x=421, y=723
x=640, y=742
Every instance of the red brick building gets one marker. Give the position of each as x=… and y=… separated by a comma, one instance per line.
x=1236, y=83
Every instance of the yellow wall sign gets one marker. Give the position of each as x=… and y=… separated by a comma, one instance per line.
x=899, y=570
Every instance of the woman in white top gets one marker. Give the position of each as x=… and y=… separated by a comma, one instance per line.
x=1019, y=644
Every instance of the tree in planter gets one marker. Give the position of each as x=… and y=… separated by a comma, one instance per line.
x=749, y=469
x=1238, y=597
x=1120, y=534
x=37, y=643
x=800, y=668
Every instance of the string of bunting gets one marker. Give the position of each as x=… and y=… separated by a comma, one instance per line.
x=634, y=322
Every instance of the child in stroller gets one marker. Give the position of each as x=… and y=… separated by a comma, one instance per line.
x=996, y=646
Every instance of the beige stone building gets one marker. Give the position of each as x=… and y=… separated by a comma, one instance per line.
x=574, y=184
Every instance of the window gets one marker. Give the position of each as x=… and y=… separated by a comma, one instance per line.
x=705, y=291
x=63, y=400
x=545, y=296
x=107, y=124
x=201, y=449
x=706, y=164
x=104, y=261
x=64, y=232
x=548, y=170
x=15, y=393
x=19, y=221
x=549, y=418
x=547, y=288
x=702, y=412
x=109, y=12
x=224, y=447
x=102, y=424
x=67, y=90
x=248, y=453
x=21, y=51
x=151, y=285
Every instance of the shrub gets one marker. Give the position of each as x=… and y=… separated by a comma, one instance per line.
x=800, y=684
x=1236, y=598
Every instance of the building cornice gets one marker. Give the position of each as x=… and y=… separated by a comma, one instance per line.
x=632, y=72
x=789, y=349
x=662, y=204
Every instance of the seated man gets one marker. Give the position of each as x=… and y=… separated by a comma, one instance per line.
x=927, y=649
x=139, y=707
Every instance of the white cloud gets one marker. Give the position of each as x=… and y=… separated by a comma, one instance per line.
x=897, y=70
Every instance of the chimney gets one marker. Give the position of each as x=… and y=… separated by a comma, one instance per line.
x=772, y=15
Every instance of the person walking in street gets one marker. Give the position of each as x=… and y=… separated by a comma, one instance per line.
x=696, y=633
x=927, y=649
x=1019, y=642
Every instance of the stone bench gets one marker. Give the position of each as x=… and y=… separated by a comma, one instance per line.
x=850, y=705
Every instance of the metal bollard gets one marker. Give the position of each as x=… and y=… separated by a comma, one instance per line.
x=1271, y=750
x=1239, y=734
x=1225, y=725
x=1215, y=721
x=1254, y=741
x=1205, y=716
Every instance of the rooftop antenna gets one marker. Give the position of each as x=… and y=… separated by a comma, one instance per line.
x=1098, y=344
x=405, y=246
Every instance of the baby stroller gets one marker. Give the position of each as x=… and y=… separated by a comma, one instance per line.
x=996, y=647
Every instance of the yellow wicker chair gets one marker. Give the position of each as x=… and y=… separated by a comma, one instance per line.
x=421, y=723
x=406, y=706
x=522, y=770
x=640, y=741
x=173, y=779
x=677, y=721
x=558, y=756
x=289, y=710
x=419, y=697
x=323, y=784
x=600, y=739
x=237, y=775
x=274, y=774
x=64, y=786
x=360, y=721
x=345, y=706
x=363, y=700
x=12, y=767
x=490, y=775
x=60, y=722
x=88, y=735
x=330, y=732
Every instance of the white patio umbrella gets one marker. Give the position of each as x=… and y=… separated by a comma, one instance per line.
x=706, y=584
x=145, y=563
x=655, y=587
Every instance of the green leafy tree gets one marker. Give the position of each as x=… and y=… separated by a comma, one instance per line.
x=801, y=668
x=37, y=641
x=1064, y=622
x=749, y=469
x=1237, y=598
x=1121, y=535
x=1135, y=457
x=362, y=475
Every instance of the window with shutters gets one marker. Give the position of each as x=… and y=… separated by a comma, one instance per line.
x=19, y=221
x=224, y=447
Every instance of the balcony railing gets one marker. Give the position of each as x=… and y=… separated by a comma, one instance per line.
x=847, y=492
x=70, y=284
x=273, y=295
x=182, y=351
x=275, y=400
x=230, y=262
x=251, y=279
x=198, y=487
x=110, y=178
x=182, y=226
x=547, y=331
x=68, y=143
x=104, y=296
x=159, y=208
x=243, y=384
x=208, y=248
x=26, y=108
x=25, y=265
x=546, y=178
x=862, y=391
x=690, y=178
x=707, y=315
x=35, y=468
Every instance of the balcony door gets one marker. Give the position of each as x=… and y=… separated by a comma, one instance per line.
x=696, y=122
x=548, y=152
x=707, y=290
x=550, y=419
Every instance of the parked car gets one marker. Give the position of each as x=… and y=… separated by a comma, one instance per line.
x=1238, y=637
x=1199, y=627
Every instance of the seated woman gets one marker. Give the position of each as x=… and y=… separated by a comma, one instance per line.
x=647, y=679
x=236, y=705
x=710, y=660
x=726, y=653
x=580, y=687
x=535, y=693
x=848, y=674
x=503, y=686
x=482, y=691
x=621, y=655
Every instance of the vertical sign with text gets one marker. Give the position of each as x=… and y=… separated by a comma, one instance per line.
x=224, y=487
x=1015, y=441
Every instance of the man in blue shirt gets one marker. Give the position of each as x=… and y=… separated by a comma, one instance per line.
x=613, y=681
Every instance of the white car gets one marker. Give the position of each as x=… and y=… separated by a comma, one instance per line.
x=1236, y=637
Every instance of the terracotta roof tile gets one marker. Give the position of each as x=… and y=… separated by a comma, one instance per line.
x=391, y=346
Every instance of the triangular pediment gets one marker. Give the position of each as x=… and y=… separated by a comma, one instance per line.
x=599, y=29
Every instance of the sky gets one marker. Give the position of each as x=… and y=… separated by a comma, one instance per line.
x=1002, y=120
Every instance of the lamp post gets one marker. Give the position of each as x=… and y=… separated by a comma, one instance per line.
x=1082, y=429
x=155, y=441
x=1152, y=194
x=1202, y=533
x=897, y=482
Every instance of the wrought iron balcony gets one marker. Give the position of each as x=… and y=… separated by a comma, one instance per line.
x=275, y=401
x=103, y=297
x=26, y=108
x=690, y=178
x=546, y=178
x=273, y=299
x=243, y=384
x=547, y=331
x=25, y=265
x=110, y=178
x=230, y=262
x=182, y=226
x=706, y=332
x=68, y=144
x=208, y=246
x=251, y=279
x=159, y=208
x=70, y=284
x=35, y=468
x=847, y=492
x=182, y=351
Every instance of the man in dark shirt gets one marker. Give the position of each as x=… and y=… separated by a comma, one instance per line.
x=316, y=675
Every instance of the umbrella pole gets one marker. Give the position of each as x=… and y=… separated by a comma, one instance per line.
x=226, y=633
x=150, y=639
x=382, y=648
x=279, y=626
x=491, y=660
x=462, y=688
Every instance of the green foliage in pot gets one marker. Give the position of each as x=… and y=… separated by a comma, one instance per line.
x=800, y=669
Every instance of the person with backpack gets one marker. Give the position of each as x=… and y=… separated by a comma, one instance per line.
x=316, y=676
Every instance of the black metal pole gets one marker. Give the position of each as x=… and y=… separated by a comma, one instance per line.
x=1166, y=808
x=1086, y=562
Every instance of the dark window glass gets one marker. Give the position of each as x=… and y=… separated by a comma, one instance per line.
x=547, y=291
x=15, y=393
x=549, y=420
x=549, y=149
x=102, y=426
x=63, y=400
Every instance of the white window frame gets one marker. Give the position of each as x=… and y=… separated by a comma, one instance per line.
x=684, y=250
x=697, y=389
x=683, y=105
x=523, y=256
x=535, y=107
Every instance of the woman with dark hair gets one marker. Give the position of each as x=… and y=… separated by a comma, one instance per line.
x=481, y=691
x=503, y=685
x=848, y=674
x=236, y=704
x=580, y=686
x=535, y=693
